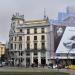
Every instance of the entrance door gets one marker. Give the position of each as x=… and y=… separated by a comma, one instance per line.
x=12, y=64
x=35, y=62
x=43, y=61
x=27, y=62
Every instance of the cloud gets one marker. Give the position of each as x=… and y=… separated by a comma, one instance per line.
x=32, y=9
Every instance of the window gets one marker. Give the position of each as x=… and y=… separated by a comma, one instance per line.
x=42, y=37
x=35, y=45
x=28, y=31
x=11, y=46
x=18, y=21
x=1, y=48
x=20, y=46
x=27, y=53
x=20, y=38
x=15, y=38
x=11, y=38
x=35, y=30
x=21, y=59
x=15, y=46
x=20, y=30
x=13, y=23
x=20, y=53
x=28, y=46
x=43, y=45
x=43, y=54
x=42, y=30
x=35, y=37
x=28, y=38
x=35, y=52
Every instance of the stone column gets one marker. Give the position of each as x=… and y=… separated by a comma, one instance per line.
x=47, y=57
x=14, y=62
x=31, y=58
x=24, y=62
x=39, y=58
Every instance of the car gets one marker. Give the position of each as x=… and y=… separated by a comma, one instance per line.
x=70, y=67
x=1, y=65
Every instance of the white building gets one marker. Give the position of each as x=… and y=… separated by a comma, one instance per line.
x=30, y=41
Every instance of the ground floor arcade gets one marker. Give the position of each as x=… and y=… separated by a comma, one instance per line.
x=25, y=60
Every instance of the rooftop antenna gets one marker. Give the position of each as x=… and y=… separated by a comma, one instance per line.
x=44, y=13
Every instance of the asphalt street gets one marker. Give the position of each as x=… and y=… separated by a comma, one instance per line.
x=45, y=69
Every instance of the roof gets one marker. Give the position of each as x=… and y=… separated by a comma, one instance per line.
x=36, y=22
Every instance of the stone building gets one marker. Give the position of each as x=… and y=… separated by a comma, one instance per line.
x=2, y=49
x=30, y=41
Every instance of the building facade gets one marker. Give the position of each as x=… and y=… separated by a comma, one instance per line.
x=2, y=49
x=63, y=31
x=30, y=41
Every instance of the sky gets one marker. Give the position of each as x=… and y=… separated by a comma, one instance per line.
x=31, y=9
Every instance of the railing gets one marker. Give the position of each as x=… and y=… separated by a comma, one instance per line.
x=32, y=50
x=15, y=50
x=20, y=33
x=28, y=41
x=35, y=41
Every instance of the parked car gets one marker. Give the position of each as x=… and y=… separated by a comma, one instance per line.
x=60, y=66
x=70, y=67
x=1, y=65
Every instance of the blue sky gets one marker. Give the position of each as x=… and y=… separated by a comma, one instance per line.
x=32, y=9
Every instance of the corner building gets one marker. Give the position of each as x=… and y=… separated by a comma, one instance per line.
x=30, y=41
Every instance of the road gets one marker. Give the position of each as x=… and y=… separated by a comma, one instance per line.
x=46, y=69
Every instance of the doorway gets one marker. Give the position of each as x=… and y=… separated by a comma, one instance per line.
x=27, y=62
x=35, y=62
x=43, y=61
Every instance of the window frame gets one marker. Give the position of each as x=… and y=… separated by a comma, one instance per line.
x=28, y=31
x=35, y=30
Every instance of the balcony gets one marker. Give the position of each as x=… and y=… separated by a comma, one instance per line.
x=15, y=50
x=20, y=56
x=43, y=50
x=38, y=50
x=27, y=50
x=17, y=41
x=28, y=41
x=35, y=41
x=20, y=33
x=14, y=56
x=12, y=50
x=42, y=40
